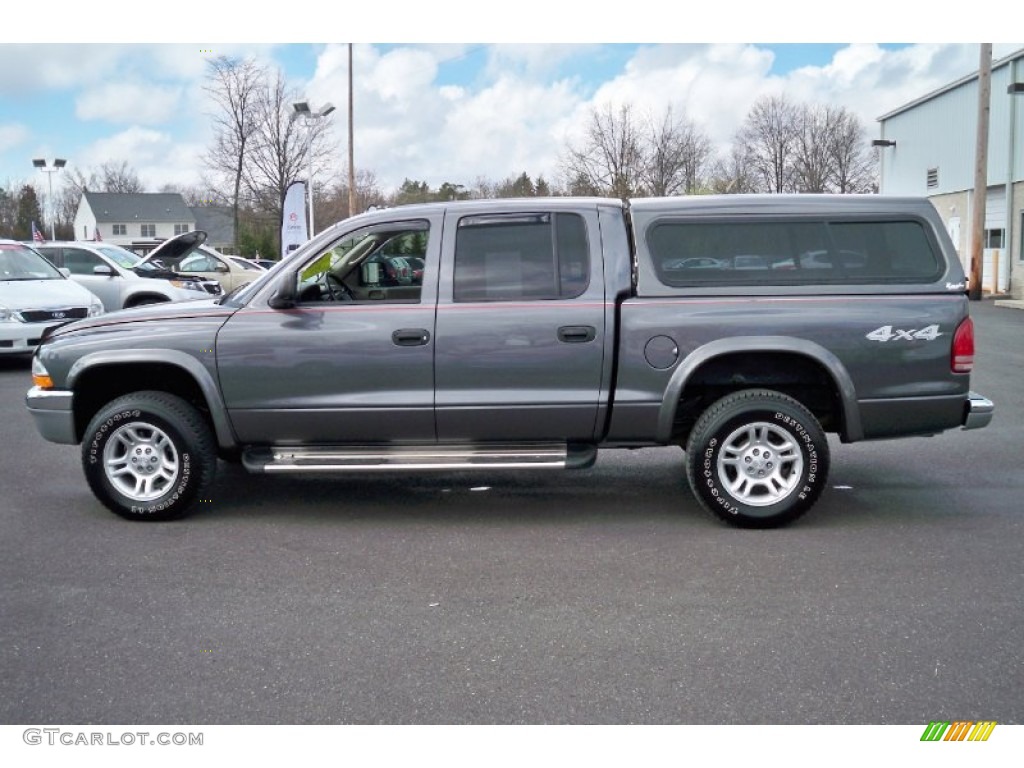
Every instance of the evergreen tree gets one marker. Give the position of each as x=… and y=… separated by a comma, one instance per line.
x=28, y=211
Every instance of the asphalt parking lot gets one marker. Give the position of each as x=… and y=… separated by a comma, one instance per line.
x=602, y=596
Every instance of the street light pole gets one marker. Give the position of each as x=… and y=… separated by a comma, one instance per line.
x=309, y=118
x=58, y=164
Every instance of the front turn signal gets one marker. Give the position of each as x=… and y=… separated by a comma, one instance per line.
x=40, y=376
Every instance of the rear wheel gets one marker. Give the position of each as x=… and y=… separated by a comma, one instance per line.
x=148, y=455
x=757, y=459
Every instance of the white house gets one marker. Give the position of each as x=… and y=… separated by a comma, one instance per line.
x=127, y=219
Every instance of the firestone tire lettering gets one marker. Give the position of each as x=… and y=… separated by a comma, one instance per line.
x=728, y=442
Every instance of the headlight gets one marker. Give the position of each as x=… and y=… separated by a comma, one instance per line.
x=187, y=285
x=96, y=308
x=6, y=315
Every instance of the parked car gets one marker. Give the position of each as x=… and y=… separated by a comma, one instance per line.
x=249, y=264
x=122, y=279
x=35, y=296
x=265, y=263
x=209, y=264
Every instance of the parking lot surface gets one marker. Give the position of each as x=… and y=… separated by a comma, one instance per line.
x=598, y=596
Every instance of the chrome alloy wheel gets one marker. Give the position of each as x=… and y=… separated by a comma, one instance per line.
x=140, y=461
x=760, y=464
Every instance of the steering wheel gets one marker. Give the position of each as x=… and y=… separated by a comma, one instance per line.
x=336, y=289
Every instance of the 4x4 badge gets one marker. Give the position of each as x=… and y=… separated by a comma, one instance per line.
x=886, y=333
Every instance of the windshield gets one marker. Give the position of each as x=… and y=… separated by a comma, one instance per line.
x=123, y=258
x=19, y=262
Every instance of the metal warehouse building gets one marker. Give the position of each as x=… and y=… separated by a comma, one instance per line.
x=927, y=147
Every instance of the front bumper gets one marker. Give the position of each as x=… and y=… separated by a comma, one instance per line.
x=22, y=338
x=977, y=411
x=52, y=411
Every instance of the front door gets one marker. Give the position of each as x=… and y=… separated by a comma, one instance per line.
x=353, y=362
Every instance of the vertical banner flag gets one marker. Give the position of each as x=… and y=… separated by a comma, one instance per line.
x=37, y=236
x=293, y=218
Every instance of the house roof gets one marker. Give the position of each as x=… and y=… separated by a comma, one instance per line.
x=148, y=207
x=217, y=221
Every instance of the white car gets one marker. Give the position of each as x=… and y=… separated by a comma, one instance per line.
x=121, y=279
x=35, y=296
x=208, y=264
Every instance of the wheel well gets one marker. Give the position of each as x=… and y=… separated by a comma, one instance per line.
x=796, y=375
x=99, y=385
x=145, y=298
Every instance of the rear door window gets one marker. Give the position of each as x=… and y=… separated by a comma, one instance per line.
x=516, y=257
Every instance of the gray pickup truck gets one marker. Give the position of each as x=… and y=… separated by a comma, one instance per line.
x=525, y=334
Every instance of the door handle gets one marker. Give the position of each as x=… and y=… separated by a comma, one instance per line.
x=410, y=337
x=577, y=334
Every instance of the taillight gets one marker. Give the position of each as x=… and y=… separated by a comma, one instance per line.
x=962, y=360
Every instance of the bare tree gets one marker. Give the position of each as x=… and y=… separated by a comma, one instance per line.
x=677, y=155
x=281, y=147
x=235, y=87
x=733, y=174
x=333, y=204
x=852, y=161
x=611, y=159
x=814, y=138
x=768, y=139
x=119, y=177
x=197, y=195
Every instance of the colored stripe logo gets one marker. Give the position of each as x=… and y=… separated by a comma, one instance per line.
x=959, y=730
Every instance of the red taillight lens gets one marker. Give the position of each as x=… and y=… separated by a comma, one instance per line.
x=962, y=360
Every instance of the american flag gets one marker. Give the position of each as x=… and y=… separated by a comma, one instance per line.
x=37, y=235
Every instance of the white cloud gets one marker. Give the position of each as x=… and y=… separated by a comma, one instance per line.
x=139, y=103
x=519, y=112
x=156, y=156
x=12, y=135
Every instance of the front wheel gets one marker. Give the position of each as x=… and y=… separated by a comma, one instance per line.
x=148, y=455
x=757, y=459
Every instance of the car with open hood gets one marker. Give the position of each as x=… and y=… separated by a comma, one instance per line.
x=35, y=297
x=205, y=263
x=122, y=279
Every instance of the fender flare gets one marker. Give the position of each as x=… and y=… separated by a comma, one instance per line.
x=739, y=344
x=199, y=373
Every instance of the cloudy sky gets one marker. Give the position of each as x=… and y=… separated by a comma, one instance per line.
x=436, y=110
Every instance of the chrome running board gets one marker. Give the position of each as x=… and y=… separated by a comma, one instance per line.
x=334, y=459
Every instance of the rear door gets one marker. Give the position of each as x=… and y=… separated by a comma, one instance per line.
x=520, y=325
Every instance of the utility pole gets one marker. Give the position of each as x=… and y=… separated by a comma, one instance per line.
x=980, y=170
x=351, y=143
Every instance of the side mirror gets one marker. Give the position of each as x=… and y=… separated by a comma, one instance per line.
x=222, y=268
x=104, y=269
x=284, y=296
x=64, y=271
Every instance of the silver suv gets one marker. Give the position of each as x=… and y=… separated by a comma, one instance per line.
x=122, y=279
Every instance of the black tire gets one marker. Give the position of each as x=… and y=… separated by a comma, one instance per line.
x=757, y=459
x=148, y=455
